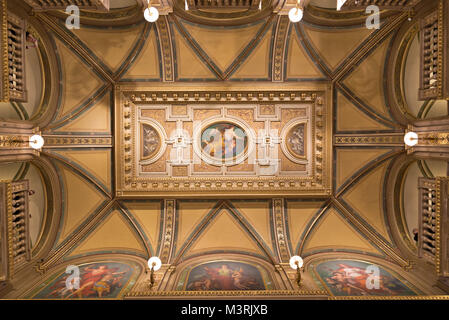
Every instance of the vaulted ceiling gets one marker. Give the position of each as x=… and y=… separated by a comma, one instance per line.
x=73, y=88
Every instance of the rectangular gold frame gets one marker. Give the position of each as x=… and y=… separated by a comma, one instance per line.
x=127, y=185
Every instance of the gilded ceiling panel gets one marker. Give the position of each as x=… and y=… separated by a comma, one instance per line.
x=182, y=143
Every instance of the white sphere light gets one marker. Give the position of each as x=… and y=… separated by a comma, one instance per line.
x=293, y=261
x=151, y=14
x=411, y=138
x=157, y=263
x=295, y=14
x=36, y=141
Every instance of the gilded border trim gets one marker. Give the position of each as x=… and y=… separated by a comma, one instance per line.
x=228, y=293
x=313, y=266
x=434, y=297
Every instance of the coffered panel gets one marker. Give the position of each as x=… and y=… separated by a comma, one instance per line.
x=245, y=142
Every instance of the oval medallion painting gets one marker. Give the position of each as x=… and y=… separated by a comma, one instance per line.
x=224, y=142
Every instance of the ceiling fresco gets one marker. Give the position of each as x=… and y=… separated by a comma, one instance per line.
x=224, y=146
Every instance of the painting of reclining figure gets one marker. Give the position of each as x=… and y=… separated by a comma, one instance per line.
x=358, y=278
x=96, y=280
x=225, y=275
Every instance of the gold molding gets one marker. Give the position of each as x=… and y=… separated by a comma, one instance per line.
x=280, y=41
x=390, y=139
x=63, y=141
x=166, y=47
x=433, y=297
x=168, y=234
x=246, y=293
x=280, y=229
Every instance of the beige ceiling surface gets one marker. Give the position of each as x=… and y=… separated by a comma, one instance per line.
x=204, y=52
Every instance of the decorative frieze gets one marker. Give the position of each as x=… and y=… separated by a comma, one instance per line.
x=280, y=230
x=279, y=48
x=166, y=47
x=168, y=232
x=53, y=141
x=369, y=139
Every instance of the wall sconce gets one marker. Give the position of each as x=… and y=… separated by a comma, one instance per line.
x=151, y=14
x=36, y=141
x=436, y=138
x=411, y=138
x=154, y=263
x=295, y=14
x=296, y=263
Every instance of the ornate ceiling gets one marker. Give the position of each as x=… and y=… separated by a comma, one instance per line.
x=120, y=99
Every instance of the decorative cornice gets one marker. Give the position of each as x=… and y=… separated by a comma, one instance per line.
x=254, y=293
